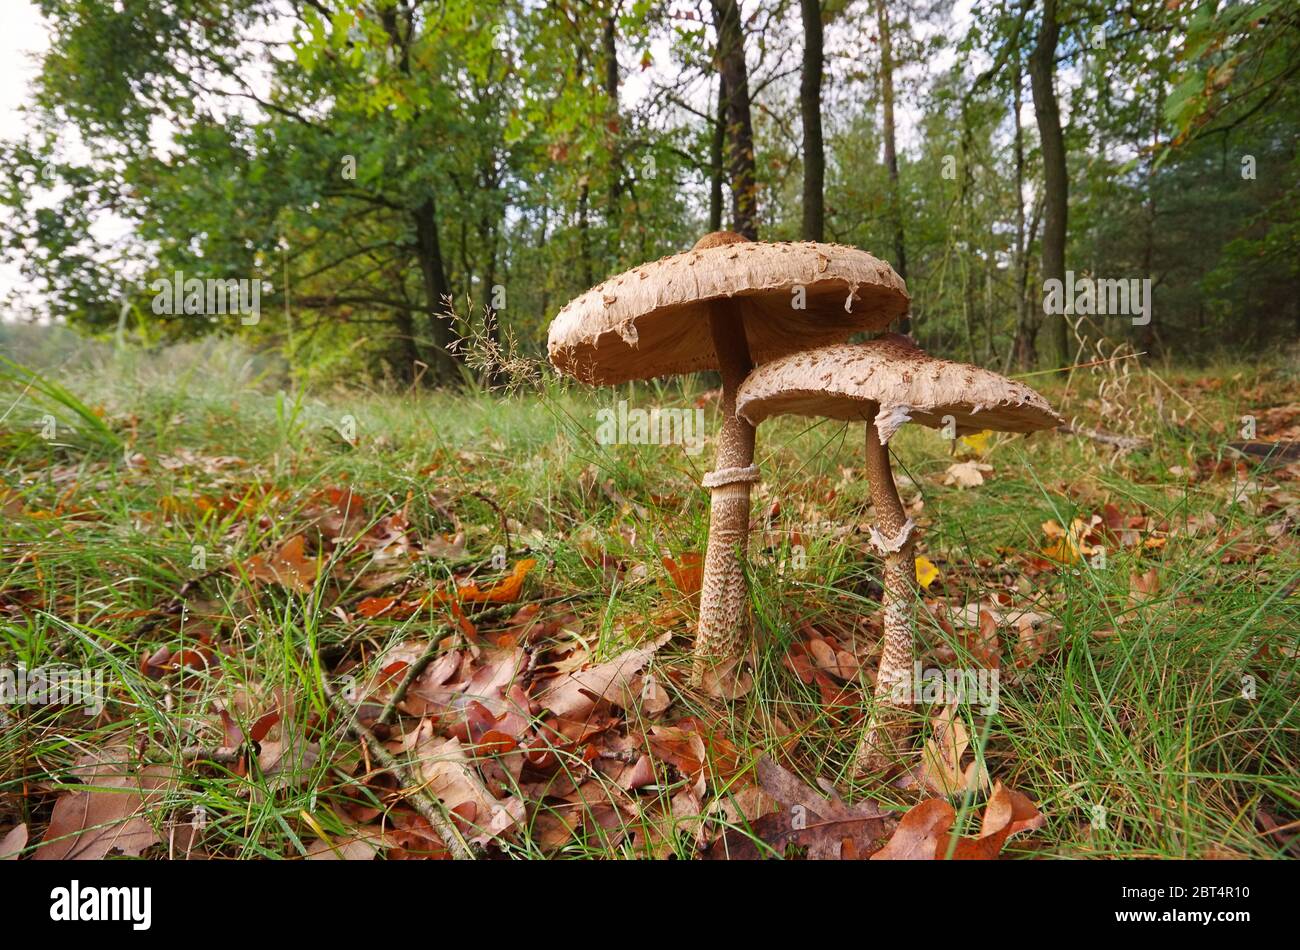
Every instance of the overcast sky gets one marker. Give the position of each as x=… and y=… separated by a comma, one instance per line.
x=22, y=33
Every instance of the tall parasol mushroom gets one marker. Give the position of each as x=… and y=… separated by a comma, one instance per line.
x=886, y=383
x=724, y=305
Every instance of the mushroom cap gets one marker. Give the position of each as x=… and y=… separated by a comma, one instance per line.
x=653, y=320
x=897, y=382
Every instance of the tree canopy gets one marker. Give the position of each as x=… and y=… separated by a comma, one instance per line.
x=415, y=180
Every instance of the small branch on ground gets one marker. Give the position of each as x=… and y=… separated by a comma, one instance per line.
x=1125, y=443
x=430, y=808
x=505, y=524
x=412, y=674
x=225, y=755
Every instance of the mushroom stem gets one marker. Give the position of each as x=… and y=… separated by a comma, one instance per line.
x=888, y=725
x=723, y=596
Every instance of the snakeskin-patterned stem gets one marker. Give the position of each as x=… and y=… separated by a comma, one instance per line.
x=889, y=724
x=723, y=597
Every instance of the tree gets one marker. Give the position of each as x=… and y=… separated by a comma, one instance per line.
x=717, y=168
x=1056, y=187
x=740, y=127
x=891, y=149
x=810, y=109
x=399, y=167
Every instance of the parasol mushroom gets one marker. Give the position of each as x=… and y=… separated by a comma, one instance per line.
x=886, y=383
x=724, y=305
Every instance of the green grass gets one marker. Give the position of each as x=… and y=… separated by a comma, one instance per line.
x=1176, y=715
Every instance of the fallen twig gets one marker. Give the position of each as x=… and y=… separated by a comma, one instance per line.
x=1126, y=443
x=223, y=755
x=430, y=808
x=412, y=674
x=1268, y=454
x=501, y=515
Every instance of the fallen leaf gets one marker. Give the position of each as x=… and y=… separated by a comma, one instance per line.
x=441, y=546
x=13, y=843
x=1143, y=587
x=728, y=680
x=502, y=592
x=412, y=838
x=287, y=567
x=372, y=607
x=654, y=698
x=926, y=572
x=681, y=748
x=966, y=474
x=924, y=834
x=575, y=695
x=829, y=829
x=1070, y=546
x=941, y=770
x=359, y=846
x=688, y=575
x=658, y=829
x=450, y=776
x=108, y=814
x=977, y=442
x=922, y=831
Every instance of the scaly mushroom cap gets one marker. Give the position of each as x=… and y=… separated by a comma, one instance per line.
x=898, y=382
x=654, y=319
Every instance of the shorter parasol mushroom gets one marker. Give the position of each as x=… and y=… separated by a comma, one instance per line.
x=886, y=383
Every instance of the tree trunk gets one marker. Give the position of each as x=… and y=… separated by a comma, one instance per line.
x=1150, y=342
x=613, y=129
x=408, y=348
x=735, y=79
x=1056, y=194
x=1027, y=348
x=810, y=105
x=715, y=159
x=433, y=274
x=584, y=231
x=434, y=277
x=891, y=153
x=1023, y=347
x=541, y=244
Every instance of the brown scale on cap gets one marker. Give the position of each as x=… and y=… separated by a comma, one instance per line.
x=718, y=239
x=895, y=381
x=654, y=320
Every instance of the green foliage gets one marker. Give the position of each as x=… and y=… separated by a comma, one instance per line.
x=409, y=177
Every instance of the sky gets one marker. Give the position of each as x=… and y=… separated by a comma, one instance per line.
x=22, y=34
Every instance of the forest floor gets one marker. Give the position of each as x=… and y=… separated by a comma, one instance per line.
x=428, y=625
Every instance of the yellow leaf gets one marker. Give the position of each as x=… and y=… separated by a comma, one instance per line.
x=1062, y=551
x=926, y=572
x=1070, y=547
x=977, y=442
